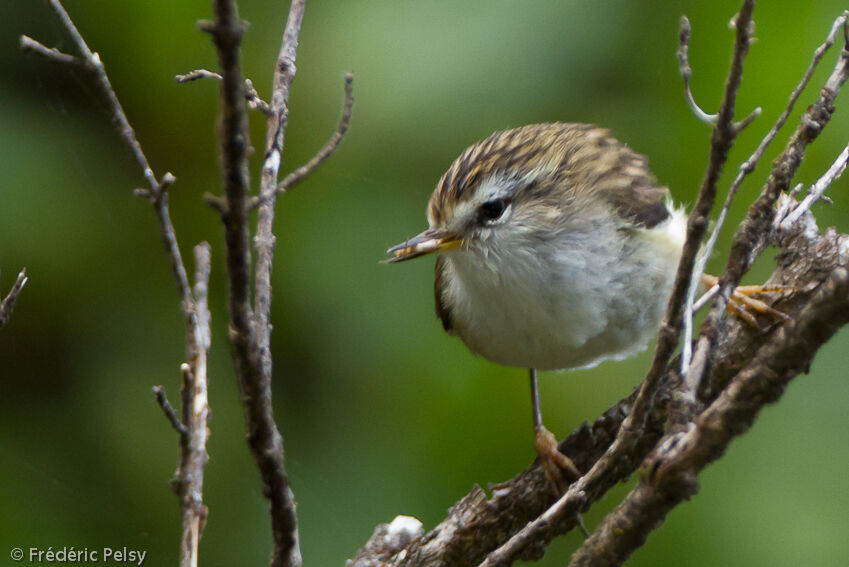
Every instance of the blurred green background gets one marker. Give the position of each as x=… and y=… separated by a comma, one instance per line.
x=382, y=412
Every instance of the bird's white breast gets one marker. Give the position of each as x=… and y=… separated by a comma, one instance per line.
x=587, y=296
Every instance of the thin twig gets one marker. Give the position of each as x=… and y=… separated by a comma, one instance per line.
x=169, y=411
x=156, y=190
x=687, y=73
x=253, y=98
x=747, y=167
x=329, y=147
x=197, y=74
x=7, y=304
x=30, y=45
x=816, y=192
x=255, y=102
x=268, y=449
x=95, y=65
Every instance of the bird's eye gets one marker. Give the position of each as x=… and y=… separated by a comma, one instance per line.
x=492, y=210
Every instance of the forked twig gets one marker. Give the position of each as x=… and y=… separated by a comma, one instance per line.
x=815, y=193
x=326, y=150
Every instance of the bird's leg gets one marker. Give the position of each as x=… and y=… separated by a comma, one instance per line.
x=556, y=465
x=744, y=306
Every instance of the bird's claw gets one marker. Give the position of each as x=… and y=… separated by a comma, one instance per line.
x=746, y=307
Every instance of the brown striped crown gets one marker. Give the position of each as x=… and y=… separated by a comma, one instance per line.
x=574, y=158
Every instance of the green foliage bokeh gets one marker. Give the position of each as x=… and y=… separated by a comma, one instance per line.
x=382, y=413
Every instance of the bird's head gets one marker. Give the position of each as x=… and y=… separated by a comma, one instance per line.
x=530, y=184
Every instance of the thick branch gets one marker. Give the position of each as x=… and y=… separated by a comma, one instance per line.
x=477, y=524
x=671, y=473
x=644, y=509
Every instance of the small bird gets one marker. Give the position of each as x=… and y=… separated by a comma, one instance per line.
x=557, y=249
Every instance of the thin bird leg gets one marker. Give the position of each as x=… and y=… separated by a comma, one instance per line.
x=555, y=464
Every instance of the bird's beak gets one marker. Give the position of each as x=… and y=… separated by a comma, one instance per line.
x=431, y=240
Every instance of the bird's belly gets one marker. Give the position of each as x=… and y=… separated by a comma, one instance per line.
x=565, y=337
x=574, y=320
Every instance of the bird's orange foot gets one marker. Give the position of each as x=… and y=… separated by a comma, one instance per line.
x=744, y=306
x=559, y=469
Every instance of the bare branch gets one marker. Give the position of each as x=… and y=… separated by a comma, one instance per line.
x=188, y=480
x=95, y=66
x=329, y=147
x=250, y=334
x=267, y=445
x=188, y=483
x=723, y=137
x=789, y=352
x=203, y=267
x=156, y=190
x=555, y=520
x=476, y=525
x=7, y=304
